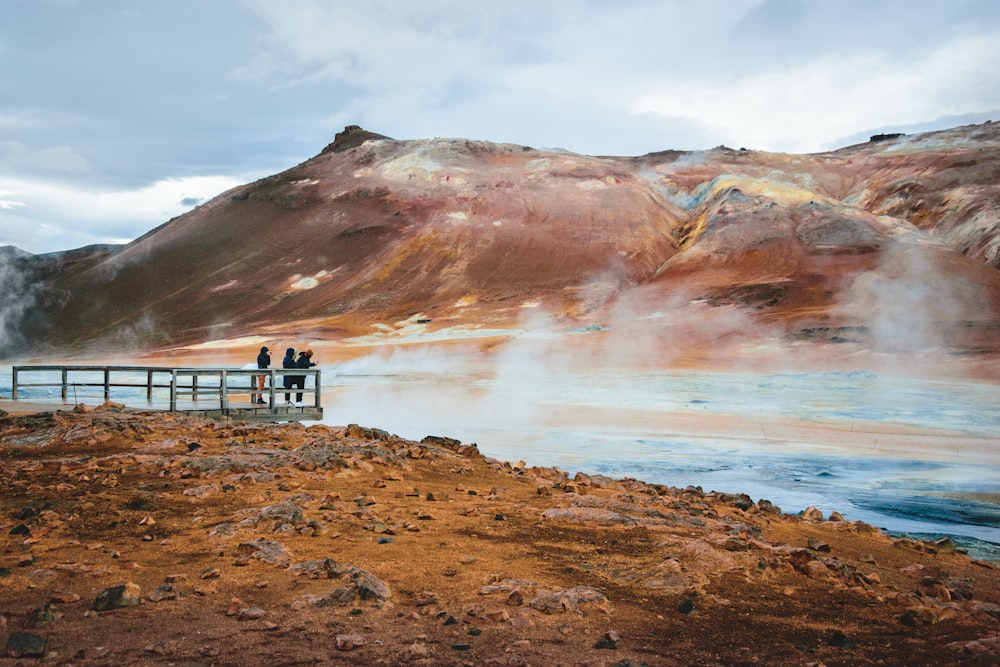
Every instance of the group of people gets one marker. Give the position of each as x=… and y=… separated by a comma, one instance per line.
x=304, y=360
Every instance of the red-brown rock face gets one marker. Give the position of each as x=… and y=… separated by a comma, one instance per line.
x=896, y=235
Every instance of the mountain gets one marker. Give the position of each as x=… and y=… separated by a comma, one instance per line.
x=890, y=244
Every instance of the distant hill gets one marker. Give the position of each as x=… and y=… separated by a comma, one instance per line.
x=894, y=241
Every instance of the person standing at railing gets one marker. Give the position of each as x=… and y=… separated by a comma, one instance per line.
x=288, y=380
x=304, y=361
x=263, y=361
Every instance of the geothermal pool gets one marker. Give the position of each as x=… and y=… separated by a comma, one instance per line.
x=913, y=456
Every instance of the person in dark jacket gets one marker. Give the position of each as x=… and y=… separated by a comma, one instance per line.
x=288, y=380
x=304, y=361
x=263, y=361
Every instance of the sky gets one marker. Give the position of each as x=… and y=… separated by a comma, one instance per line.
x=118, y=115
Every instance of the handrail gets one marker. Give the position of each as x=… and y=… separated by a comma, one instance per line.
x=218, y=385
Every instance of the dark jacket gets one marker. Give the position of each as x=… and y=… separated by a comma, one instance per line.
x=288, y=362
x=264, y=358
x=304, y=362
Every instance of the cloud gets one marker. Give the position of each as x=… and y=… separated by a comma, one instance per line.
x=118, y=96
x=806, y=107
x=107, y=216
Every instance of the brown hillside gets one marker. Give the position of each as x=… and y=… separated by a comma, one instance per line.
x=452, y=231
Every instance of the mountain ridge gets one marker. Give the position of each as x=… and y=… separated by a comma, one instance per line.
x=374, y=230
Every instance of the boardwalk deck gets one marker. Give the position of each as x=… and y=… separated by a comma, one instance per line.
x=228, y=393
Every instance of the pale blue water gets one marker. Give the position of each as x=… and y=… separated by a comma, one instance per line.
x=597, y=422
x=524, y=418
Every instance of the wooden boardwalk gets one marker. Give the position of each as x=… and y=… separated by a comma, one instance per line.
x=230, y=393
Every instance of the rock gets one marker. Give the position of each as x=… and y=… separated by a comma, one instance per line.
x=349, y=642
x=922, y=615
x=64, y=597
x=571, y=601
x=250, y=614
x=338, y=597
x=812, y=514
x=118, y=597
x=815, y=569
x=26, y=645
x=369, y=586
x=42, y=616
x=416, y=651
x=163, y=592
x=839, y=639
x=324, y=568
x=818, y=545
x=267, y=551
x=686, y=606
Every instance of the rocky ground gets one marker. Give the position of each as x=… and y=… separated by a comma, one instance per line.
x=134, y=538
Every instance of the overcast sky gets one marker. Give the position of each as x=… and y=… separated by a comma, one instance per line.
x=117, y=115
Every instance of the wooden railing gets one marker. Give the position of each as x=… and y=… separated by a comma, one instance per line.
x=180, y=385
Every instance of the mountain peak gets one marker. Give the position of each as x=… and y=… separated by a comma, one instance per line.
x=351, y=137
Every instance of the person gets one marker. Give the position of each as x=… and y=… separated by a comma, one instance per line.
x=304, y=361
x=263, y=361
x=288, y=380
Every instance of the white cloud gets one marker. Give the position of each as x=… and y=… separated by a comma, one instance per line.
x=258, y=86
x=60, y=212
x=809, y=106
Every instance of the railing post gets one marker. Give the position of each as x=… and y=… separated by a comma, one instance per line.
x=317, y=397
x=194, y=386
x=224, y=391
x=65, y=375
x=173, y=390
x=149, y=386
x=13, y=383
x=107, y=383
x=273, y=377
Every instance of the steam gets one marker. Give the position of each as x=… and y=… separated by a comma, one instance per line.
x=18, y=296
x=545, y=370
x=910, y=303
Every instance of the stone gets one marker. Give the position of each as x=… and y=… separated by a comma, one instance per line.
x=417, y=651
x=338, y=597
x=369, y=586
x=42, y=616
x=267, y=551
x=812, y=514
x=324, y=568
x=64, y=597
x=118, y=597
x=26, y=645
x=818, y=545
x=571, y=601
x=250, y=614
x=163, y=592
x=349, y=642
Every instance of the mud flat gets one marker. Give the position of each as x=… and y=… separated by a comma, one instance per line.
x=133, y=537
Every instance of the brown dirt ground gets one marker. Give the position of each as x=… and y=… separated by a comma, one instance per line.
x=97, y=498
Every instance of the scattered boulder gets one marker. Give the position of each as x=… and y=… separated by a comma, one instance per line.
x=118, y=597
x=26, y=645
x=572, y=600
